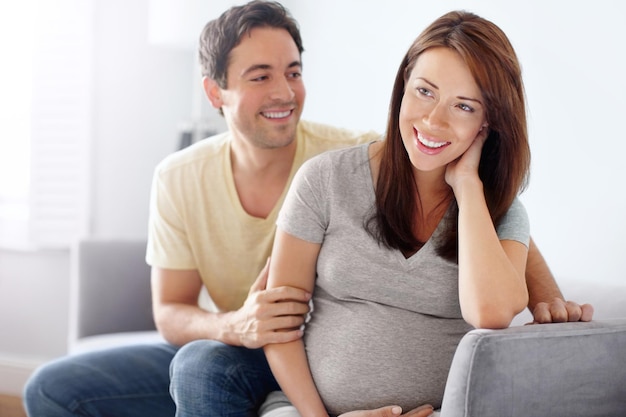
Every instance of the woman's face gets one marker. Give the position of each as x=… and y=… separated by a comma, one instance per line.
x=442, y=110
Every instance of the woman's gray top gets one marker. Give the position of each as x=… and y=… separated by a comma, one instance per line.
x=384, y=327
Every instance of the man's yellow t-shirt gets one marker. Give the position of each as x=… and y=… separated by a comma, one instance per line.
x=197, y=221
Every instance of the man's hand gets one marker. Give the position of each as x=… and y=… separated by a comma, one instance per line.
x=269, y=316
x=392, y=411
x=560, y=311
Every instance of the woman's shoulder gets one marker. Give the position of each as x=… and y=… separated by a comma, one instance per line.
x=517, y=209
x=340, y=158
x=515, y=224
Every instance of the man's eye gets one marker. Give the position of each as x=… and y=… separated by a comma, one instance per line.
x=295, y=75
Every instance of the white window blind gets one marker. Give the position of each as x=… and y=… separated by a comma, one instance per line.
x=56, y=209
x=16, y=44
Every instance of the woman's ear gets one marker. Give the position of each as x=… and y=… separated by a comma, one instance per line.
x=213, y=92
x=484, y=131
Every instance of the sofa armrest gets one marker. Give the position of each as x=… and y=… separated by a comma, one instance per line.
x=566, y=369
x=110, y=288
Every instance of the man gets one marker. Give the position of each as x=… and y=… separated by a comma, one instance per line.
x=212, y=216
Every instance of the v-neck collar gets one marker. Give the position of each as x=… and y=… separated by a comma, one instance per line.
x=427, y=247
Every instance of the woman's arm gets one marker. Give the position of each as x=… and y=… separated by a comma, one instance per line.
x=492, y=287
x=294, y=264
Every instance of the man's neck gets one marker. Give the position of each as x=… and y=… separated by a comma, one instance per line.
x=261, y=175
x=251, y=161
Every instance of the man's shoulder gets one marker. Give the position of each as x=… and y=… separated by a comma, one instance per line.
x=201, y=152
x=326, y=137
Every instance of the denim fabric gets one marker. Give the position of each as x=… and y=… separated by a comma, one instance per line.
x=122, y=382
x=210, y=378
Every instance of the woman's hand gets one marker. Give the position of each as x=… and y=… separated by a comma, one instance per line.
x=466, y=166
x=392, y=411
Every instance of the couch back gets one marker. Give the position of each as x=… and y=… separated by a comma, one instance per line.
x=110, y=288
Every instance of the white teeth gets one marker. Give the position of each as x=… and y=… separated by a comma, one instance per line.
x=430, y=143
x=276, y=114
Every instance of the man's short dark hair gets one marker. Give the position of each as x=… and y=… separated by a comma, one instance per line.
x=221, y=35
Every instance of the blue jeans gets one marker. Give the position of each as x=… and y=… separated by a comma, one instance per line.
x=121, y=382
x=207, y=379
x=210, y=378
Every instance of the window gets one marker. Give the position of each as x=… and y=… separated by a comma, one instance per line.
x=16, y=42
x=45, y=125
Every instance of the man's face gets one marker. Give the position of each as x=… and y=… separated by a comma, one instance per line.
x=263, y=100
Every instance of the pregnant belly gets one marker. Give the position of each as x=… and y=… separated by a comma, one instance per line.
x=366, y=355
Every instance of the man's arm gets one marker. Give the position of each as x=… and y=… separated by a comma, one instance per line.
x=545, y=299
x=180, y=320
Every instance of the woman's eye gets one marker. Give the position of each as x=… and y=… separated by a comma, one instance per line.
x=465, y=107
x=424, y=91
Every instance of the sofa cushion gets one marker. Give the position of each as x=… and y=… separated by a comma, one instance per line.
x=105, y=341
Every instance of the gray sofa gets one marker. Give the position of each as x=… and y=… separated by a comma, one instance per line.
x=568, y=369
x=110, y=300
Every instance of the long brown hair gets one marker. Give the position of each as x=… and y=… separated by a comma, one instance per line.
x=505, y=160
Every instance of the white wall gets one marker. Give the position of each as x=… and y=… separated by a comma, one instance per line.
x=142, y=93
x=34, y=292
x=573, y=58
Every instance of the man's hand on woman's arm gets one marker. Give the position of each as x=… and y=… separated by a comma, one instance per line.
x=267, y=316
x=545, y=300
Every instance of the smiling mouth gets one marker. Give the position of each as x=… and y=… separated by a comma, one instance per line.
x=276, y=114
x=429, y=143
